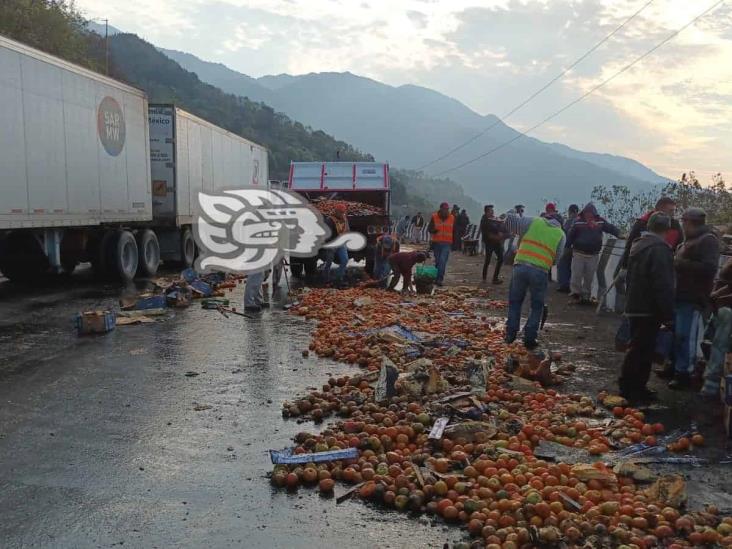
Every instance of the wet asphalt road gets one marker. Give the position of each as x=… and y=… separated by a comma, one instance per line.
x=100, y=445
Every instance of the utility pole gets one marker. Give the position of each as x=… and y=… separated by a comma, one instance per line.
x=106, y=43
x=106, y=46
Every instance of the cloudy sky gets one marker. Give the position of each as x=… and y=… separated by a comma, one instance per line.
x=672, y=112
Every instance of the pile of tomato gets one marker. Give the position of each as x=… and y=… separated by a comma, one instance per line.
x=490, y=483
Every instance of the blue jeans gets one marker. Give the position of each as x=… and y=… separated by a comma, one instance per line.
x=526, y=279
x=688, y=322
x=340, y=253
x=564, y=269
x=442, y=254
x=253, y=290
x=720, y=347
x=382, y=268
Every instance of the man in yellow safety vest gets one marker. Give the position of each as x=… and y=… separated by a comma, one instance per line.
x=542, y=242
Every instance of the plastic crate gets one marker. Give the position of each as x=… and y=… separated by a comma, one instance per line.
x=151, y=302
x=95, y=322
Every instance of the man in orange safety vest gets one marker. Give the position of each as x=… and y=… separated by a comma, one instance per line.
x=441, y=227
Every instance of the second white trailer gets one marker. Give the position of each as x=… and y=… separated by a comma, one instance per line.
x=189, y=155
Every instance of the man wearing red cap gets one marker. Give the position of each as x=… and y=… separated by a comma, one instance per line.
x=441, y=228
x=550, y=212
x=338, y=227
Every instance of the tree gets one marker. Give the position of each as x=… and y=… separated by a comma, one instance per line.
x=621, y=206
x=715, y=199
x=54, y=26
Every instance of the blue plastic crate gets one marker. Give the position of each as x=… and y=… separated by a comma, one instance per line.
x=95, y=322
x=152, y=302
x=201, y=287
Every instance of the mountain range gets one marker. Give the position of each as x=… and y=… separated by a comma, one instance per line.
x=409, y=126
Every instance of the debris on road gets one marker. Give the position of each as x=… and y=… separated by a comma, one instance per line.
x=668, y=490
x=146, y=313
x=132, y=320
x=143, y=302
x=288, y=456
x=512, y=461
x=95, y=322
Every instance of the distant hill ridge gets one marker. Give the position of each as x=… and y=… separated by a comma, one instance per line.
x=411, y=125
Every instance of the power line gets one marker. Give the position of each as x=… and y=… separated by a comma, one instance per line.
x=583, y=96
x=539, y=91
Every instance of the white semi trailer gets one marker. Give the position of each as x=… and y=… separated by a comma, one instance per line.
x=189, y=155
x=86, y=177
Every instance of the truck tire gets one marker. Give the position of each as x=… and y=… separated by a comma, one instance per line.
x=297, y=270
x=101, y=253
x=125, y=257
x=148, y=251
x=22, y=259
x=72, y=250
x=68, y=265
x=311, y=268
x=187, y=248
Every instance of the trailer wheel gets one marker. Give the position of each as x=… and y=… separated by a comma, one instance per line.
x=21, y=258
x=125, y=256
x=148, y=250
x=68, y=265
x=187, y=248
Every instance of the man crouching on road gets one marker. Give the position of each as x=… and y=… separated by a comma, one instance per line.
x=401, y=266
x=542, y=242
x=648, y=305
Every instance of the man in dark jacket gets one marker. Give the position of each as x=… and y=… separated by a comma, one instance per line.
x=564, y=267
x=493, y=234
x=455, y=228
x=585, y=239
x=550, y=212
x=418, y=222
x=461, y=225
x=666, y=205
x=696, y=265
x=648, y=305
